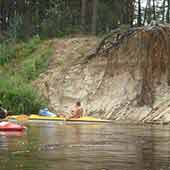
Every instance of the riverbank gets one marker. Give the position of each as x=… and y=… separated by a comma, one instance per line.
x=109, y=87
x=113, y=87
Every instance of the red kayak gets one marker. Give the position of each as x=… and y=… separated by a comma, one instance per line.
x=7, y=126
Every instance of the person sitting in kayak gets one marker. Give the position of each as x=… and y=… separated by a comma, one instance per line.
x=3, y=112
x=76, y=111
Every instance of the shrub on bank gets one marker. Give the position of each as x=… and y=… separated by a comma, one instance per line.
x=35, y=64
x=10, y=50
x=20, y=97
x=20, y=63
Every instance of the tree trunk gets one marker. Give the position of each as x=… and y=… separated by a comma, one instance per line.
x=83, y=14
x=3, y=16
x=154, y=10
x=131, y=11
x=145, y=14
x=1, y=7
x=139, y=13
x=163, y=11
x=94, y=17
x=149, y=12
x=168, y=12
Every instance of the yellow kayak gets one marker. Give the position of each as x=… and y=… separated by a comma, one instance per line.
x=55, y=118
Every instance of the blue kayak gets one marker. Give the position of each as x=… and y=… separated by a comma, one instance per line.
x=46, y=112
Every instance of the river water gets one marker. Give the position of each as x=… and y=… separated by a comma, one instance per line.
x=51, y=146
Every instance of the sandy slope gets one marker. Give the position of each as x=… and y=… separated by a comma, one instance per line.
x=105, y=90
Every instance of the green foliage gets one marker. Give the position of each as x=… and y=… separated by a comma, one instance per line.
x=28, y=48
x=16, y=28
x=9, y=50
x=18, y=96
x=31, y=45
x=105, y=22
x=19, y=64
x=56, y=18
x=60, y=20
x=33, y=66
x=7, y=53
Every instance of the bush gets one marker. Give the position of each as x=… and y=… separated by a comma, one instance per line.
x=7, y=53
x=19, y=97
x=16, y=28
x=25, y=49
x=59, y=22
x=36, y=64
x=10, y=50
x=19, y=64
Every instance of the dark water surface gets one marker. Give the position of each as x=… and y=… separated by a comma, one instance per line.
x=86, y=147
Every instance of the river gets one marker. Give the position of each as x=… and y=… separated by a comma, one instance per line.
x=51, y=146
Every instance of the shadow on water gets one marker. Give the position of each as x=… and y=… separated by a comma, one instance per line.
x=86, y=147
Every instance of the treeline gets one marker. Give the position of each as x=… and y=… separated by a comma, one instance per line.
x=24, y=18
x=148, y=10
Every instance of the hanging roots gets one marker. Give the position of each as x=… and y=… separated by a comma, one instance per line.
x=153, y=56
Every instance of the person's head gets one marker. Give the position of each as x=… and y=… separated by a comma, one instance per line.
x=78, y=103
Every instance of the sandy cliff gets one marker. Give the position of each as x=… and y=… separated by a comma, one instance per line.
x=123, y=81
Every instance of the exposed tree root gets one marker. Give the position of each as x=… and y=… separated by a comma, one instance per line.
x=153, y=56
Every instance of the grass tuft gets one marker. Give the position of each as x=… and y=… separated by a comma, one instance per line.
x=19, y=65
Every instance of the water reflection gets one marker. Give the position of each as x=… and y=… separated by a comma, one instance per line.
x=91, y=147
x=11, y=133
